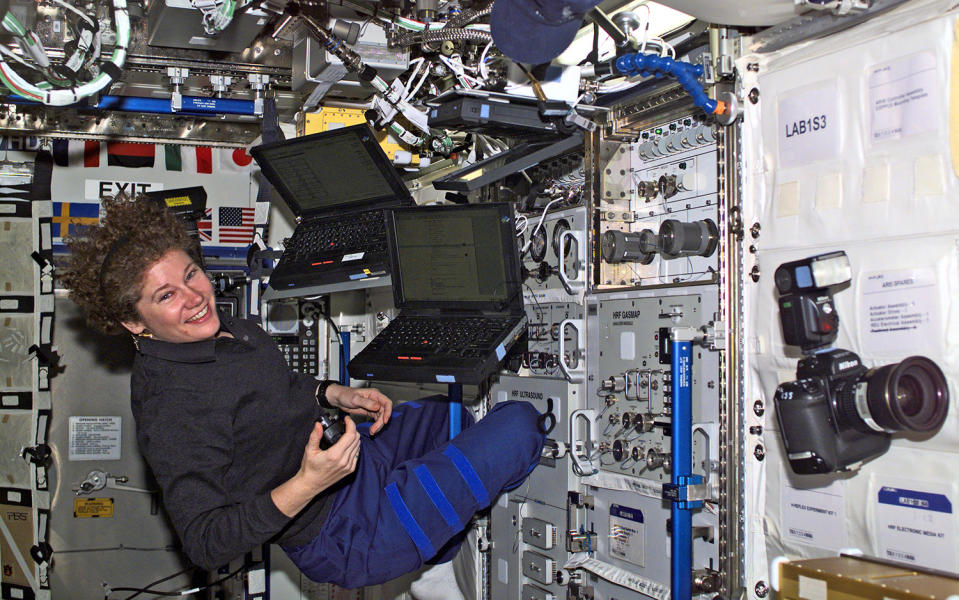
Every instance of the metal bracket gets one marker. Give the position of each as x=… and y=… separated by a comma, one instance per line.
x=177, y=77
x=258, y=83
x=98, y=480
x=688, y=494
x=734, y=108
x=220, y=84
x=684, y=334
x=715, y=335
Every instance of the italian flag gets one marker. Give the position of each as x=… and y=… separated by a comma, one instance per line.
x=191, y=159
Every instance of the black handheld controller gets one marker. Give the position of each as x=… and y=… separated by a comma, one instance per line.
x=333, y=430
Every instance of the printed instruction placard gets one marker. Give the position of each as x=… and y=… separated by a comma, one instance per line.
x=814, y=517
x=95, y=438
x=903, y=97
x=809, y=125
x=900, y=311
x=627, y=534
x=916, y=523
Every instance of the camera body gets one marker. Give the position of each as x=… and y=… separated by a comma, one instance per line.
x=837, y=413
x=813, y=413
x=333, y=429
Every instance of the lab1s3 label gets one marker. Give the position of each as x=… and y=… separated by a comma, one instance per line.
x=808, y=131
x=805, y=126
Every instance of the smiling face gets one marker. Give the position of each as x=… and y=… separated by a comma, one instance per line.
x=176, y=302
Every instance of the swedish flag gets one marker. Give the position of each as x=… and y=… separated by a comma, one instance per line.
x=68, y=217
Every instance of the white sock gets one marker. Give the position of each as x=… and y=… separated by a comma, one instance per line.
x=436, y=582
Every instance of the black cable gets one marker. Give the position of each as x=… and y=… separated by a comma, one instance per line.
x=336, y=329
x=546, y=421
x=339, y=338
x=539, y=309
x=184, y=592
x=157, y=582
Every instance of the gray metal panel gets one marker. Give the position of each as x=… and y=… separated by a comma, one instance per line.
x=552, y=478
x=504, y=555
x=627, y=330
x=132, y=548
x=176, y=24
x=655, y=541
x=531, y=514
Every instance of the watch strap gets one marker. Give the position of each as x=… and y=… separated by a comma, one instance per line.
x=321, y=398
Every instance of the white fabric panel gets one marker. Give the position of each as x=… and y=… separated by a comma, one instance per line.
x=17, y=334
x=16, y=430
x=16, y=268
x=890, y=201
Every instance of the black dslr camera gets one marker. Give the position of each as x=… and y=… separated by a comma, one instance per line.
x=838, y=413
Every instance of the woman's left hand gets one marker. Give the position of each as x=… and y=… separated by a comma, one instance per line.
x=367, y=402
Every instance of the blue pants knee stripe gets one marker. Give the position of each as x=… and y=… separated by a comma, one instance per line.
x=439, y=499
x=409, y=523
x=473, y=480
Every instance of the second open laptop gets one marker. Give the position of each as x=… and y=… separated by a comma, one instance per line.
x=337, y=183
x=457, y=283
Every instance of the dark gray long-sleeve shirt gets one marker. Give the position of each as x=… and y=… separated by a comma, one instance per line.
x=221, y=423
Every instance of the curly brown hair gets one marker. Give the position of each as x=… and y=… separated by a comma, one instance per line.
x=108, y=262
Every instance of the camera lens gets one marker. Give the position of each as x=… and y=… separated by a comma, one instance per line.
x=911, y=395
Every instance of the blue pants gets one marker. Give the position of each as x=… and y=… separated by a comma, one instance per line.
x=414, y=491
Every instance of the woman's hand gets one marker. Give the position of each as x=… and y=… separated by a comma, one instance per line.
x=362, y=402
x=319, y=469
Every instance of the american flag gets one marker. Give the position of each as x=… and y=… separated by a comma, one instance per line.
x=230, y=225
x=236, y=225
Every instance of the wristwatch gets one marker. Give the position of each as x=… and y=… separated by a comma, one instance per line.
x=321, y=398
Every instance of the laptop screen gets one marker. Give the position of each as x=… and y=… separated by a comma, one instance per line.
x=331, y=169
x=454, y=256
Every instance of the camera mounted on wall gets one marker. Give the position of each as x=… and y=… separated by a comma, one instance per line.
x=838, y=413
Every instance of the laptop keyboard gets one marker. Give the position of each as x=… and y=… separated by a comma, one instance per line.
x=417, y=337
x=334, y=237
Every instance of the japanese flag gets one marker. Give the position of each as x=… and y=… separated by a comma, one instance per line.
x=235, y=160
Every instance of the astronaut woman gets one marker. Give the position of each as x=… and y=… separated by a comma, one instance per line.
x=231, y=433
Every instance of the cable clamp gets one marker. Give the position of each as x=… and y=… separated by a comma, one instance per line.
x=688, y=493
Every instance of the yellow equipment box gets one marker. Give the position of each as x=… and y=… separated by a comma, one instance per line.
x=335, y=116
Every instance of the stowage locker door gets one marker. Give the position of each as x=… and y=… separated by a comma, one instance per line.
x=848, y=148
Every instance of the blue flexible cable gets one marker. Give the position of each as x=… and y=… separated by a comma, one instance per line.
x=651, y=65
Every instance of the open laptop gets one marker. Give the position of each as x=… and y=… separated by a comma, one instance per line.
x=337, y=184
x=457, y=283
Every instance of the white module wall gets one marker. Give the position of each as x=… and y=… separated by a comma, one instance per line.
x=848, y=145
